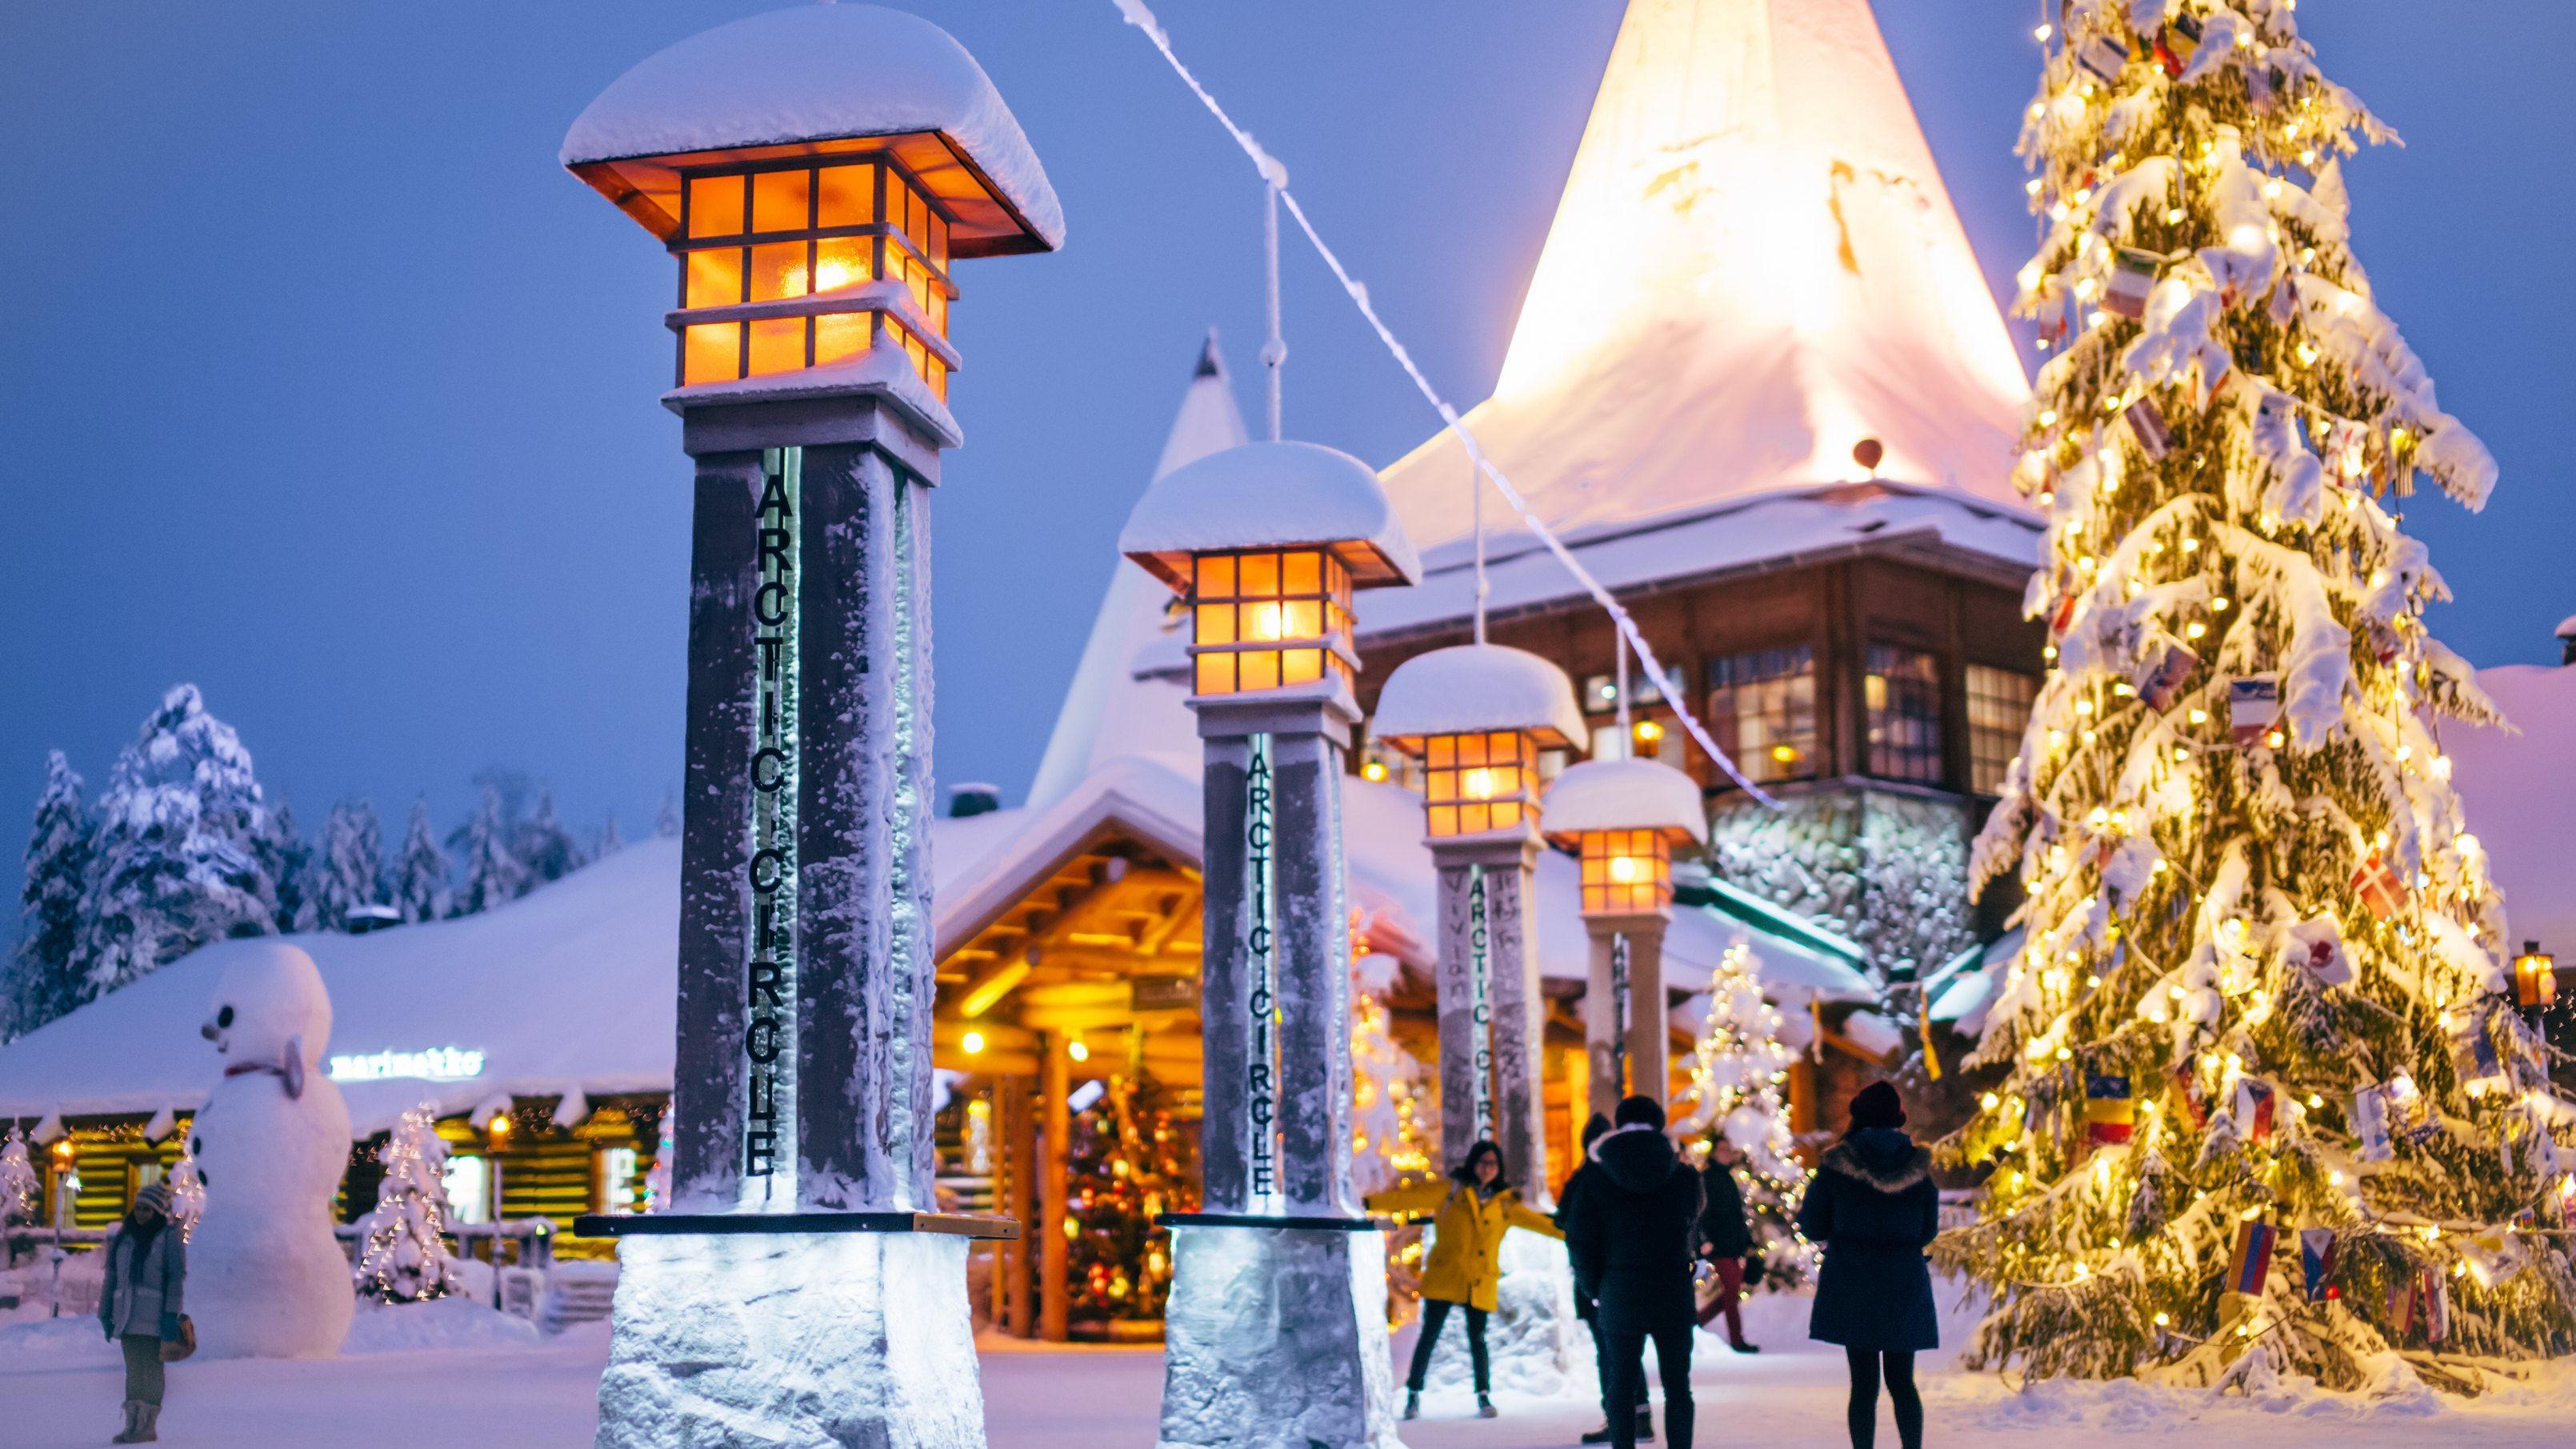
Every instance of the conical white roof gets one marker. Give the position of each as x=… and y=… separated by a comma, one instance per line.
x=1108, y=711
x=1754, y=266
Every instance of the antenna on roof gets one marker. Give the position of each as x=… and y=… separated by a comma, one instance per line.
x=1274, y=352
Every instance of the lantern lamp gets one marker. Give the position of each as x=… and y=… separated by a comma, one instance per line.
x=1477, y=715
x=814, y=172
x=1265, y=542
x=1623, y=818
x=2535, y=976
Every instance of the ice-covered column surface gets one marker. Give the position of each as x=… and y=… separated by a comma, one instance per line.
x=802, y=1290
x=1275, y=1329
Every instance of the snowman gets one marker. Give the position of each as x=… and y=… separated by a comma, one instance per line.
x=266, y=1277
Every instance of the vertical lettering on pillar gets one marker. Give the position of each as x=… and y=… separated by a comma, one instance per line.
x=1261, y=998
x=1480, y=987
x=769, y=996
x=1619, y=1005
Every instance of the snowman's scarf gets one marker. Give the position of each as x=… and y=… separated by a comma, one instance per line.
x=289, y=1068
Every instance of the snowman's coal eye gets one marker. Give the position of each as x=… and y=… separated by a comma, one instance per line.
x=224, y=1017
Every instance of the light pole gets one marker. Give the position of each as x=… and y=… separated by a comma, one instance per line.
x=1624, y=817
x=1275, y=1330
x=815, y=172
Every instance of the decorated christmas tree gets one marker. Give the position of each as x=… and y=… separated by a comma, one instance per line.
x=187, y=1191
x=1128, y=1163
x=19, y=1183
x=405, y=1260
x=2270, y=1107
x=1738, y=1074
x=1396, y=1128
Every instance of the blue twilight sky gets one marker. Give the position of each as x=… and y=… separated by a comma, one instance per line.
x=322, y=386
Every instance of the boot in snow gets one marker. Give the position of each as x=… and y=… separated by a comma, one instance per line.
x=133, y=1417
x=1740, y=1346
x=1412, y=1404
x=147, y=1423
x=1485, y=1407
x=1597, y=1436
x=1645, y=1423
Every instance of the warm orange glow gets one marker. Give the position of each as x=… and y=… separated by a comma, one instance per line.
x=1373, y=771
x=784, y=235
x=1648, y=732
x=972, y=1043
x=1626, y=872
x=1479, y=782
x=2535, y=976
x=1269, y=620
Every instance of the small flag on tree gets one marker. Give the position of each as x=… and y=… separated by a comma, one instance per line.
x=2382, y=893
x=2255, y=1103
x=2162, y=667
x=2315, y=946
x=2189, y=1099
x=2110, y=1113
x=2103, y=55
x=2251, y=1263
x=2133, y=276
x=2317, y=1263
x=2253, y=707
x=2147, y=425
x=2473, y=1052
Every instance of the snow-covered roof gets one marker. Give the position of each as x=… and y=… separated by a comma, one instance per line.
x=1270, y=495
x=1754, y=266
x=1471, y=687
x=1108, y=711
x=2519, y=790
x=1719, y=538
x=820, y=73
x=1625, y=795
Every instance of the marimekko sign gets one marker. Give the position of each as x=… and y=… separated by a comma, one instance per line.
x=769, y=991
x=1261, y=1001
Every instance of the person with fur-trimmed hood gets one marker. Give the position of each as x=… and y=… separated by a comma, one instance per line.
x=1631, y=1236
x=1569, y=1206
x=1873, y=1208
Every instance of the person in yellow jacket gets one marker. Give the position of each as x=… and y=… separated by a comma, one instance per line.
x=1470, y=1214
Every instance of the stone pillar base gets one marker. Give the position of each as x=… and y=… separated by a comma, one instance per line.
x=1276, y=1339
x=791, y=1341
x=1535, y=1343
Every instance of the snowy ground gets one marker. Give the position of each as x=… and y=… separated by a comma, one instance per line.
x=464, y=1377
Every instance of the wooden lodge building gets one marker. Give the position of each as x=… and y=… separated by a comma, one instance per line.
x=1758, y=387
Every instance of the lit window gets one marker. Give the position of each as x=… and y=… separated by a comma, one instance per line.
x=1903, y=692
x=783, y=234
x=617, y=1180
x=1478, y=782
x=1998, y=708
x=1626, y=872
x=1762, y=707
x=467, y=1178
x=1269, y=620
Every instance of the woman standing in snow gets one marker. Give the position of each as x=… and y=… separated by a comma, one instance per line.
x=139, y=1304
x=1725, y=1238
x=1471, y=1211
x=1630, y=1237
x=1873, y=1208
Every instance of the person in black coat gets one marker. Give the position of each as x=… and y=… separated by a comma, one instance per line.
x=1631, y=1239
x=1725, y=1238
x=1569, y=1205
x=1873, y=1208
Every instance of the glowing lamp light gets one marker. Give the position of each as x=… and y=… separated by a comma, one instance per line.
x=1624, y=819
x=1374, y=771
x=1265, y=544
x=2535, y=976
x=797, y=251
x=1078, y=1051
x=1477, y=716
x=972, y=1043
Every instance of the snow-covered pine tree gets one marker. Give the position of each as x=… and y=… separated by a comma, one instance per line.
x=1397, y=1132
x=178, y=855
x=666, y=821
x=1739, y=1071
x=288, y=860
x=609, y=842
x=39, y=983
x=2258, y=1009
x=19, y=1183
x=350, y=872
x=544, y=846
x=405, y=1260
x=420, y=872
x=493, y=876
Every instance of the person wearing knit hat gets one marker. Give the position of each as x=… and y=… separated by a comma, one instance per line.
x=1873, y=1208
x=140, y=1304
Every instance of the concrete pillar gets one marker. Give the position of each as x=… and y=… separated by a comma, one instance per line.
x=1626, y=1037
x=1492, y=1016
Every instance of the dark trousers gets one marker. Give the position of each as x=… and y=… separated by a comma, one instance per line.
x=1435, y=1312
x=1863, y=1413
x=143, y=1371
x=1672, y=1360
x=1609, y=1380
x=1729, y=1299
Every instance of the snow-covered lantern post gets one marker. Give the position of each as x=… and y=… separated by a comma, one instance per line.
x=1477, y=715
x=1275, y=1330
x=1624, y=818
x=814, y=172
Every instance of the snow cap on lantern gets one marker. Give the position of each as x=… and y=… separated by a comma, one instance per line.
x=1625, y=817
x=1266, y=541
x=1477, y=715
x=814, y=171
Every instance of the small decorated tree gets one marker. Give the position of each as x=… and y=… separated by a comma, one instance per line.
x=1395, y=1127
x=1738, y=1072
x=1129, y=1163
x=187, y=1191
x=18, y=1183
x=405, y=1258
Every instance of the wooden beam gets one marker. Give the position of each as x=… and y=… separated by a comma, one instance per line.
x=1019, y=1146
x=992, y=986
x=1054, y=1292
